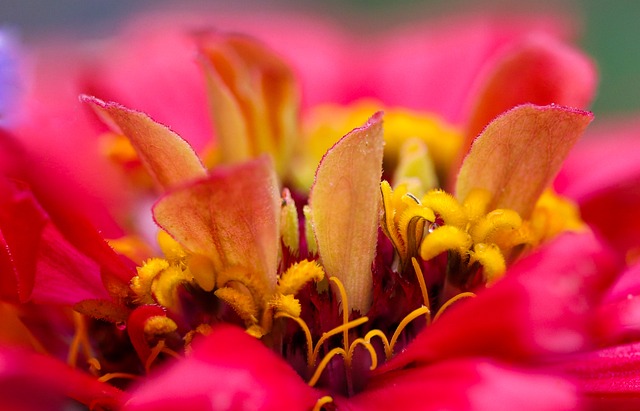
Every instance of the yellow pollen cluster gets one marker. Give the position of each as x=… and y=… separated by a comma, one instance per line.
x=439, y=223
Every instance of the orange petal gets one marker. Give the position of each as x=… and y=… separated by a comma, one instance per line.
x=167, y=157
x=232, y=217
x=254, y=97
x=345, y=208
x=518, y=154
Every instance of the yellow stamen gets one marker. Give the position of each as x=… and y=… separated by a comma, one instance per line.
x=307, y=333
x=444, y=204
x=423, y=287
x=385, y=341
x=443, y=239
x=110, y=376
x=389, y=224
x=287, y=304
x=405, y=321
x=141, y=283
x=159, y=325
x=241, y=302
x=493, y=222
x=367, y=345
x=477, y=203
x=341, y=328
x=298, y=275
x=322, y=402
x=491, y=259
x=323, y=364
x=165, y=286
x=452, y=301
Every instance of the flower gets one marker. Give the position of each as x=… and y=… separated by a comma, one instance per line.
x=253, y=286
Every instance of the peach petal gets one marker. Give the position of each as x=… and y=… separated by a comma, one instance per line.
x=345, y=207
x=232, y=217
x=168, y=158
x=519, y=153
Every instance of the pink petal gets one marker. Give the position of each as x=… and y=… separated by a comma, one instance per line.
x=432, y=66
x=146, y=65
x=619, y=313
x=518, y=154
x=465, y=384
x=602, y=175
x=229, y=370
x=540, y=70
x=232, y=216
x=345, y=206
x=542, y=306
x=169, y=159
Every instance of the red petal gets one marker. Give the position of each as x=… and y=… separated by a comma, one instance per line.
x=539, y=70
x=518, y=154
x=229, y=370
x=467, y=384
x=542, y=306
x=232, y=216
x=169, y=159
x=345, y=207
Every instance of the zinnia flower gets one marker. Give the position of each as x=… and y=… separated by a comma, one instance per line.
x=371, y=288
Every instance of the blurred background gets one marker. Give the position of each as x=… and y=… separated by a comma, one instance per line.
x=609, y=30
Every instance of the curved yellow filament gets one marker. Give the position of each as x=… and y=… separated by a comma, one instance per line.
x=366, y=344
x=322, y=402
x=423, y=287
x=323, y=364
x=451, y=301
x=383, y=338
x=331, y=333
x=112, y=375
x=307, y=333
x=405, y=321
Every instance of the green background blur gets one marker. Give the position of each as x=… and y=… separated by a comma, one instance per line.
x=610, y=30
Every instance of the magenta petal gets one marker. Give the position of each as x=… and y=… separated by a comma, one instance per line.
x=542, y=306
x=468, y=384
x=31, y=381
x=229, y=370
x=603, y=178
x=609, y=376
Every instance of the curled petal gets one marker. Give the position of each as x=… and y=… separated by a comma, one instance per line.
x=232, y=217
x=169, y=159
x=519, y=153
x=345, y=207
